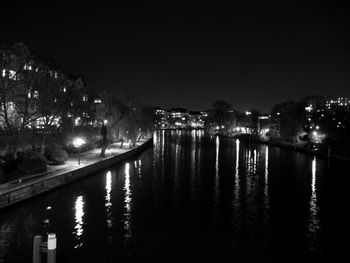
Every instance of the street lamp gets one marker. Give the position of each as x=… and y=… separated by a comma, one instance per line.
x=77, y=143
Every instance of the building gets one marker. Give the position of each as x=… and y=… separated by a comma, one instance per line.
x=35, y=93
x=334, y=114
x=196, y=119
x=179, y=118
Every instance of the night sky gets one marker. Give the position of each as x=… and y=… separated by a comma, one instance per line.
x=177, y=54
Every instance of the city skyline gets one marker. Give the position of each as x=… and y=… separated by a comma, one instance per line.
x=175, y=55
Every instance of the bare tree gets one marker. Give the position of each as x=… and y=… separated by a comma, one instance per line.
x=51, y=101
x=17, y=109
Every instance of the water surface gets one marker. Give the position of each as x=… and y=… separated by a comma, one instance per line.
x=192, y=198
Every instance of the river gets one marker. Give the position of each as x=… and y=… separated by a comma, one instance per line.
x=191, y=198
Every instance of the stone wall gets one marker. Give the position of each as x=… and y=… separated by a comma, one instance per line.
x=26, y=190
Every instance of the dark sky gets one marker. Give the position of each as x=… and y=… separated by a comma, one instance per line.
x=188, y=54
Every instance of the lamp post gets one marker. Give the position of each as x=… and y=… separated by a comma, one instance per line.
x=77, y=143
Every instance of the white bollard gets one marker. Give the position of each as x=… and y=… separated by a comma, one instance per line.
x=51, y=241
x=51, y=248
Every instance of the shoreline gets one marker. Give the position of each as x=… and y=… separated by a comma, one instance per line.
x=20, y=190
x=293, y=147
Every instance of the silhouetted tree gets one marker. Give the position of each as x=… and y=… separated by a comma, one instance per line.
x=291, y=116
x=218, y=114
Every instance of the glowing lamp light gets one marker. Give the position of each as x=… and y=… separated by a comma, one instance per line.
x=248, y=113
x=264, y=117
x=309, y=108
x=105, y=122
x=314, y=133
x=77, y=142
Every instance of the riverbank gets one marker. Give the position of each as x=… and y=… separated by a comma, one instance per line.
x=77, y=167
x=294, y=147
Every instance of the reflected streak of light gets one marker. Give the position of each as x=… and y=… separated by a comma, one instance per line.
x=127, y=200
x=108, y=203
x=249, y=161
x=79, y=213
x=266, y=189
x=237, y=188
x=193, y=157
x=313, y=182
x=108, y=188
x=139, y=168
x=193, y=166
x=254, y=162
x=313, y=201
x=198, y=158
x=155, y=138
x=217, y=156
x=266, y=165
x=216, y=184
x=200, y=134
x=157, y=149
x=177, y=159
x=162, y=153
x=249, y=171
x=314, y=222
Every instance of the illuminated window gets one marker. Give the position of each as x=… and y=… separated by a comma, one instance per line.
x=12, y=74
x=27, y=67
x=77, y=121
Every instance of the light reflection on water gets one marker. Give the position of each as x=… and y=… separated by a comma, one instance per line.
x=262, y=203
x=314, y=221
x=217, y=148
x=249, y=170
x=127, y=201
x=216, y=180
x=254, y=162
x=266, y=188
x=108, y=203
x=79, y=214
x=237, y=181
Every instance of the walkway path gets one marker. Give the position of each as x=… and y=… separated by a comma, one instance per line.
x=74, y=162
